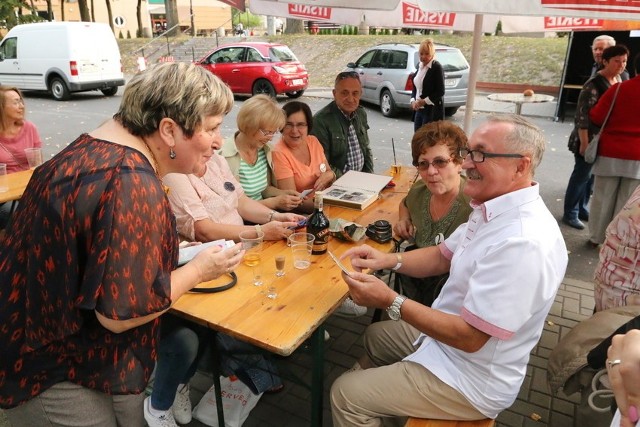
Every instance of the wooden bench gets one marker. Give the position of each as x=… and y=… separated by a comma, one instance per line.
x=423, y=422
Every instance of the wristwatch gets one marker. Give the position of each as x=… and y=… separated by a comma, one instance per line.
x=394, y=309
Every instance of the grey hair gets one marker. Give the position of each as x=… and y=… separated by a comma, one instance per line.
x=610, y=40
x=183, y=92
x=525, y=138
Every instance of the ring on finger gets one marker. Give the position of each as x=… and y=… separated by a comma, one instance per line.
x=614, y=362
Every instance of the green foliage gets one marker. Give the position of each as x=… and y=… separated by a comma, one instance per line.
x=248, y=19
x=349, y=30
x=8, y=13
x=355, y=31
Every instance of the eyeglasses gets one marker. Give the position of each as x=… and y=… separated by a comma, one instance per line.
x=268, y=132
x=300, y=125
x=438, y=163
x=478, y=156
x=16, y=102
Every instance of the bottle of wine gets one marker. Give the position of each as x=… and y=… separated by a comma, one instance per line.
x=318, y=225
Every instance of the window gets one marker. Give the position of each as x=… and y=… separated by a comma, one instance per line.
x=9, y=49
x=365, y=60
x=398, y=60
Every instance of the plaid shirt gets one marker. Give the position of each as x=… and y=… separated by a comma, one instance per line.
x=355, y=158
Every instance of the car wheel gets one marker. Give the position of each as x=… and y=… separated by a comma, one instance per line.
x=387, y=104
x=296, y=94
x=110, y=91
x=450, y=111
x=263, y=86
x=59, y=89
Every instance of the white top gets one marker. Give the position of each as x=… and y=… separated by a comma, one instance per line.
x=419, y=77
x=507, y=263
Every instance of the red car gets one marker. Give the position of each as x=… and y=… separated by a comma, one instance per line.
x=254, y=68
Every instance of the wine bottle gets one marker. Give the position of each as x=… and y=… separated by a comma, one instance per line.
x=318, y=225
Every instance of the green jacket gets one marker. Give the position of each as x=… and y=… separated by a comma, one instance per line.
x=330, y=126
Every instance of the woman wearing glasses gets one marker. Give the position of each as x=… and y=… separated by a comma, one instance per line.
x=249, y=154
x=435, y=204
x=16, y=134
x=298, y=158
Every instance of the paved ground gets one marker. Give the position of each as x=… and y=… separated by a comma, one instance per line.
x=534, y=406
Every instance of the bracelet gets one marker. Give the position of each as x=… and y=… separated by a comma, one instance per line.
x=399, y=264
x=258, y=228
x=271, y=215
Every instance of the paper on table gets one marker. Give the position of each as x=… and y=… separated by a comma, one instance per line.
x=189, y=252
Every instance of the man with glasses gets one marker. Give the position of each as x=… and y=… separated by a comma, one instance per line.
x=342, y=127
x=466, y=356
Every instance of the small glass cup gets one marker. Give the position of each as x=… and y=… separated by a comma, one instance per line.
x=272, y=292
x=34, y=157
x=252, y=245
x=396, y=169
x=280, y=260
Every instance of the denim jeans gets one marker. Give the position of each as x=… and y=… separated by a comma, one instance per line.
x=576, y=198
x=178, y=354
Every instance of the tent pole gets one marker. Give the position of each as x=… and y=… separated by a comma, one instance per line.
x=473, y=72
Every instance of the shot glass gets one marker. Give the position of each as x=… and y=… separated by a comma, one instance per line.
x=280, y=260
x=252, y=245
x=272, y=292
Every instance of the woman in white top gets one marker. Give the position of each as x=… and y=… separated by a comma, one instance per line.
x=427, y=96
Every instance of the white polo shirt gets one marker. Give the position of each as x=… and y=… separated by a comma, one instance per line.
x=507, y=263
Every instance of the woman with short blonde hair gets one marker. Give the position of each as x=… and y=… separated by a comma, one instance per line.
x=427, y=96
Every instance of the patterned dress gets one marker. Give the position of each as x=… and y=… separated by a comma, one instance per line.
x=93, y=232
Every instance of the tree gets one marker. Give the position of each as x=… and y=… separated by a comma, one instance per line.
x=84, y=11
x=8, y=12
x=49, y=10
x=171, y=8
x=110, y=15
x=139, y=17
x=62, y=9
x=294, y=26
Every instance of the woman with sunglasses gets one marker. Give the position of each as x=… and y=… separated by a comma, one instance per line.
x=298, y=158
x=435, y=205
x=249, y=155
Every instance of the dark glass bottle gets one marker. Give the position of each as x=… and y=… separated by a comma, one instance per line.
x=318, y=225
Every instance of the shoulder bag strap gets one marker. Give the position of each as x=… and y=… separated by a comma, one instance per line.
x=613, y=102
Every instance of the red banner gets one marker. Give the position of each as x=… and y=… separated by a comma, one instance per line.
x=310, y=12
x=618, y=6
x=563, y=23
x=413, y=16
x=238, y=4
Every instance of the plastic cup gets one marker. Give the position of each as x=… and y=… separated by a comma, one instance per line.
x=301, y=245
x=3, y=178
x=34, y=157
x=396, y=169
x=252, y=245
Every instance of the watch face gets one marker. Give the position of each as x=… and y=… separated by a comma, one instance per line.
x=394, y=313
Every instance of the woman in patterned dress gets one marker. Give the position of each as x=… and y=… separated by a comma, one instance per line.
x=89, y=262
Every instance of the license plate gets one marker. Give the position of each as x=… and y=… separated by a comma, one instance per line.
x=451, y=82
x=298, y=82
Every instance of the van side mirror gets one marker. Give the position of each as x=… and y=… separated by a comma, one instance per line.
x=1, y=56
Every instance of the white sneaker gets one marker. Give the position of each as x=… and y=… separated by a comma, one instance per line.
x=326, y=335
x=182, y=405
x=165, y=420
x=350, y=309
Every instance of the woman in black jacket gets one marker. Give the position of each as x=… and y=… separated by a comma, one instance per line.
x=429, y=83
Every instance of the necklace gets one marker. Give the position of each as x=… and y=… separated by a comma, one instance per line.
x=155, y=166
x=437, y=214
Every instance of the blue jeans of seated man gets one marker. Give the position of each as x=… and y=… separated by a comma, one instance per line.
x=179, y=352
x=576, y=198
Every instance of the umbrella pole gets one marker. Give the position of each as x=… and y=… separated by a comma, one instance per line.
x=473, y=72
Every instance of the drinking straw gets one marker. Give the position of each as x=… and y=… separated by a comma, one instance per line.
x=393, y=146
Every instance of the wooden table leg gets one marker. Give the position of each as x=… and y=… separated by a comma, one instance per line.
x=317, y=376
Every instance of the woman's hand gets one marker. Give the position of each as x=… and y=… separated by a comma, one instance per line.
x=213, y=262
x=365, y=257
x=288, y=201
x=623, y=366
x=278, y=230
x=404, y=229
x=324, y=180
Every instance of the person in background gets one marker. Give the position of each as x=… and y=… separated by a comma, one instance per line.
x=578, y=191
x=427, y=95
x=249, y=154
x=299, y=162
x=89, y=261
x=342, y=127
x=435, y=205
x=598, y=46
x=623, y=369
x=617, y=166
x=616, y=281
x=16, y=134
x=466, y=356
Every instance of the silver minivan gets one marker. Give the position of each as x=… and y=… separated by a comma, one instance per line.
x=386, y=72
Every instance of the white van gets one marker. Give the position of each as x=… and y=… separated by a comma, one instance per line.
x=61, y=57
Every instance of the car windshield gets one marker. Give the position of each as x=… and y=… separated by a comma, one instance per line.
x=281, y=54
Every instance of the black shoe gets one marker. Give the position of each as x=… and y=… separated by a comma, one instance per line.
x=583, y=216
x=575, y=223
